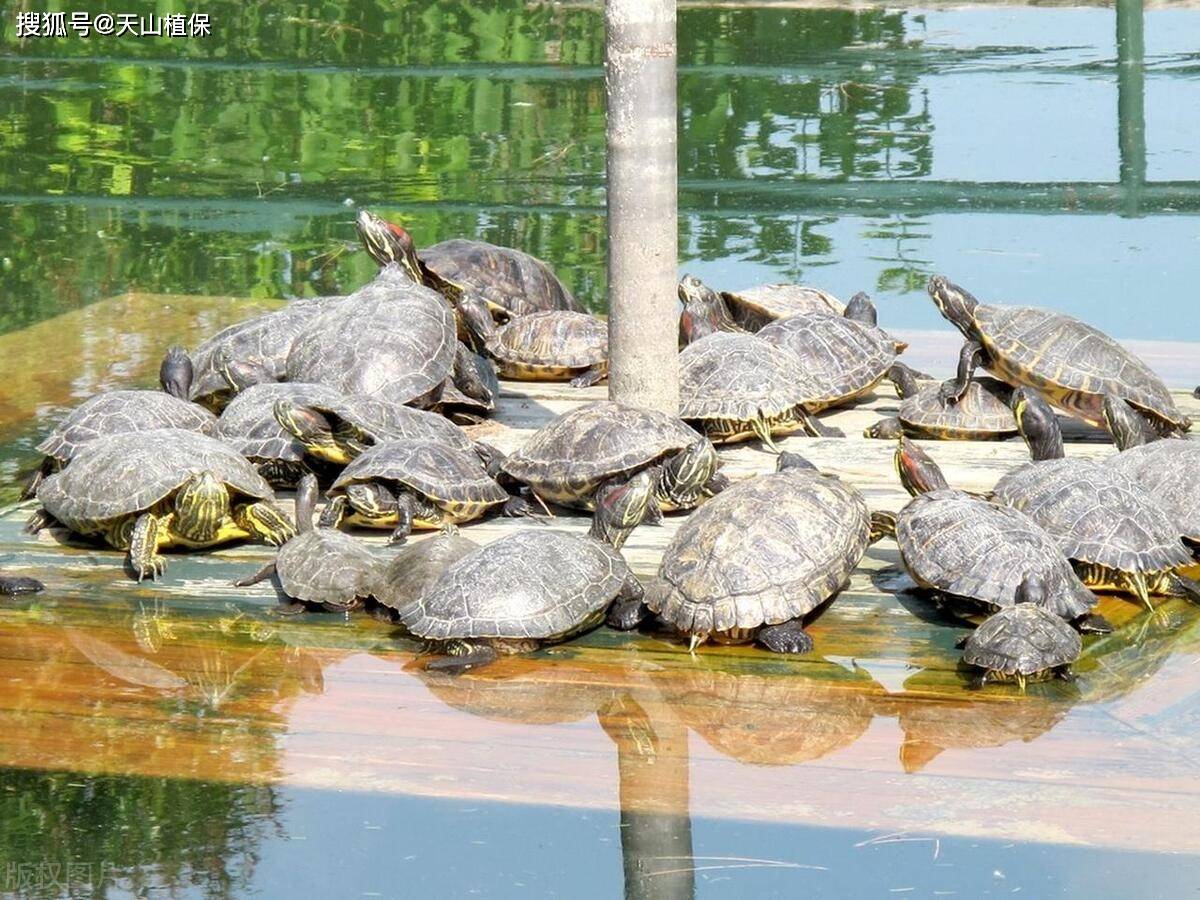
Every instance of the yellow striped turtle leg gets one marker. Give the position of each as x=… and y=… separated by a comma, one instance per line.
x=762, y=428
x=149, y=532
x=883, y=524
x=621, y=506
x=266, y=523
x=1136, y=583
x=970, y=357
x=813, y=427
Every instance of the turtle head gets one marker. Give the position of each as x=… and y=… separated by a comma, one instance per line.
x=889, y=429
x=477, y=318
x=861, y=309
x=1038, y=425
x=703, y=311
x=789, y=460
x=201, y=507
x=387, y=243
x=306, y=502
x=955, y=304
x=684, y=476
x=176, y=372
x=1032, y=589
x=311, y=429
x=621, y=506
x=904, y=380
x=918, y=472
x=240, y=374
x=372, y=502
x=1126, y=425
x=333, y=513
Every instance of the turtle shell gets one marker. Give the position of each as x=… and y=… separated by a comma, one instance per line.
x=382, y=420
x=265, y=339
x=967, y=547
x=843, y=358
x=1097, y=514
x=441, y=473
x=983, y=412
x=762, y=552
x=326, y=566
x=127, y=473
x=739, y=376
x=1024, y=639
x=1170, y=472
x=121, y=412
x=248, y=423
x=754, y=307
x=556, y=339
x=567, y=459
x=1073, y=364
x=505, y=278
x=393, y=339
x=417, y=565
x=533, y=584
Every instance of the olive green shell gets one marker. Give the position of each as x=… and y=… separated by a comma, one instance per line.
x=507, y=279
x=752, y=308
x=1073, y=364
x=568, y=458
x=1170, y=472
x=969, y=548
x=739, y=377
x=417, y=565
x=442, y=473
x=127, y=473
x=555, y=341
x=842, y=358
x=122, y=412
x=760, y=553
x=983, y=413
x=533, y=584
x=1024, y=639
x=393, y=340
x=382, y=420
x=248, y=423
x=1097, y=514
x=327, y=567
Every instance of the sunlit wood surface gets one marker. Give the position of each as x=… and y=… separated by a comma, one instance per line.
x=876, y=730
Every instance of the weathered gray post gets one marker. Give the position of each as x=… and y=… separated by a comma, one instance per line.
x=642, y=229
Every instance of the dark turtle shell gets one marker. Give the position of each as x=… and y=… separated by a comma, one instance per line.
x=1169, y=471
x=752, y=308
x=248, y=425
x=533, y=584
x=547, y=341
x=983, y=412
x=762, y=552
x=393, y=339
x=326, y=567
x=1023, y=640
x=439, y=472
x=506, y=279
x=969, y=548
x=739, y=377
x=417, y=565
x=127, y=473
x=122, y=412
x=382, y=420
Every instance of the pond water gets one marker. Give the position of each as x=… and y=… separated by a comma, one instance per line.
x=211, y=752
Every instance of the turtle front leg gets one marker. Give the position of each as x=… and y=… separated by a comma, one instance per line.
x=405, y=507
x=627, y=610
x=969, y=358
x=813, y=427
x=593, y=375
x=261, y=575
x=463, y=656
x=265, y=523
x=786, y=637
x=621, y=507
x=149, y=533
x=520, y=508
x=44, y=471
x=38, y=521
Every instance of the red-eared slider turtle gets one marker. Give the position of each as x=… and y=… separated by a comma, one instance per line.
x=512, y=283
x=393, y=340
x=148, y=490
x=417, y=565
x=1068, y=361
x=556, y=345
x=1023, y=642
x=704, y=311
x=529, y=588
x=735, y=387
x=754, y=561
x=752, y=308
x=982, y=414
x=592, y=456
x=1116, y=534
x=974, y=555
x=320, y=566
x=402, y=485
x=116, y=412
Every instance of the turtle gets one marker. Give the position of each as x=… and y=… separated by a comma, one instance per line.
x=1070, y=363
x=554, y=345
x=982, y=414
x=622, y=461
x=704, y=311
x=320, y=566
x=405, y=484
x=166, y=487
x=973, y=555
x=337, y=431
x=510, y=282
x=471, y=390
x=753, y=562
x=1023, y=642
x=417, y=564
x=115, y=412
x=734, y=387
x=754, y=307
x=1116, y=534
x=524, y=590
x=393, y=339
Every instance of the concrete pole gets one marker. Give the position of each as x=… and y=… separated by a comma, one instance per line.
x=642, y=219
x=1131, y=102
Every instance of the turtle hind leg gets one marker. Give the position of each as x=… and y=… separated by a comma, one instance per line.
x=1171, y=585
x=40, y=474
x=787, y=637
x=1093, y=623
x=627, y=610
x=593, y=375
x=14, y=585
x=266, y=523
x=883, y=524
x=149, y=531
x=462, y=658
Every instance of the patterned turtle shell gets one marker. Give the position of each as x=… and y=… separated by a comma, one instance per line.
x=983, y=412
x=506, y=279
x=326, y=567
x=556, y=343
x=752, y=308
x=1170, y=472
x=1022, y=640
x=444, y=474
x=123, y=412
x=248, y=424
x=417, y=565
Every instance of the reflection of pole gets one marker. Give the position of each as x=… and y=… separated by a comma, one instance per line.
x=642, y=218
x=656, y=825
x=1131, y=101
